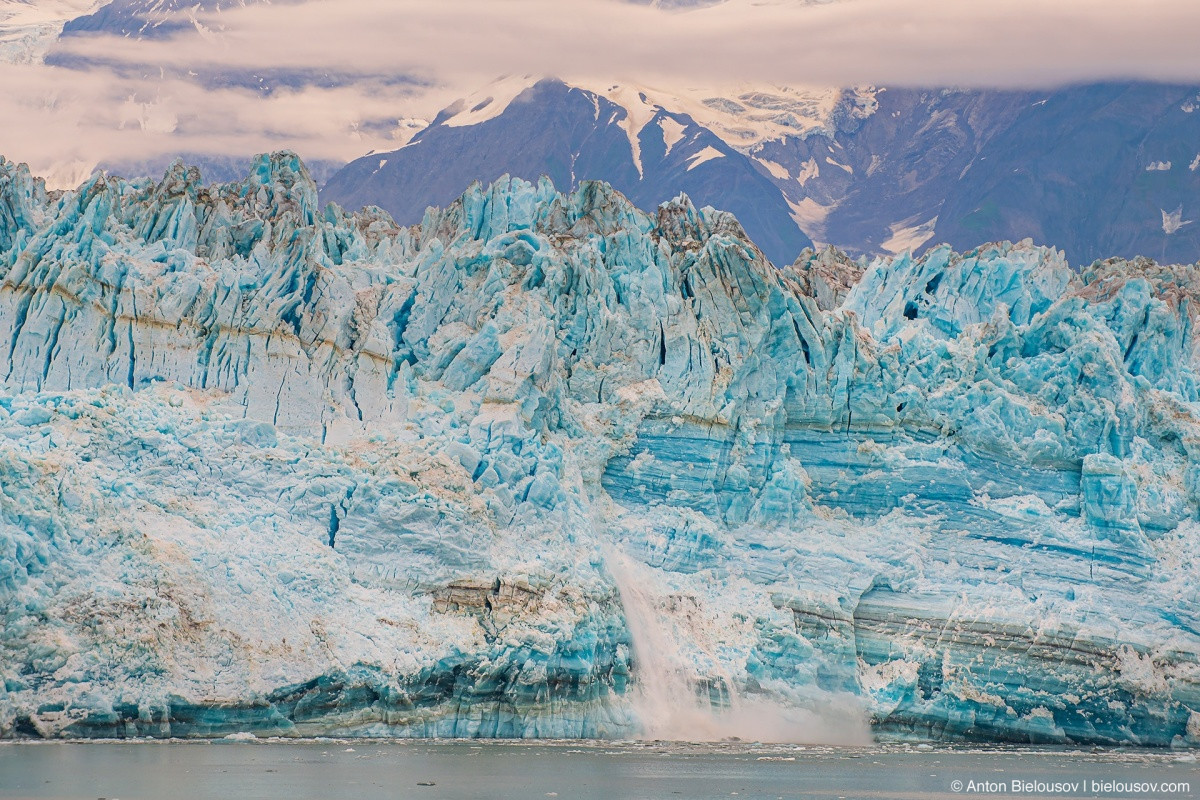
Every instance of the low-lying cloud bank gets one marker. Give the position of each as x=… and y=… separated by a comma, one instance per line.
x=923, y=42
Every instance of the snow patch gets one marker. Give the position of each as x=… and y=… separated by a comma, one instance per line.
x=776, y=169
x=742, y=115
x=639, y=111
x=407, y=128
x=489, y=102
x=810, y=216
x=907, y=236
x=808, y=170
x=672, y=132
x=707, y=154
x=848, y=169
x=1172, y=221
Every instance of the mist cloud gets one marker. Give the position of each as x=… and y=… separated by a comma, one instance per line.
x=889, y=42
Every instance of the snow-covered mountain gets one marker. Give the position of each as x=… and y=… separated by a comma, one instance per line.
x=743, y=116
x=545, y=460
x=29, y=28
x=150, y=19
x=572, y=135
x=160, y=19
x=1095, y=170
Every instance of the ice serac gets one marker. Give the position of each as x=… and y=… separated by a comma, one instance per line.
x=274, y=468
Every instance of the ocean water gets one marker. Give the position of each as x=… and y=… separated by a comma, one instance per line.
x=585, y=771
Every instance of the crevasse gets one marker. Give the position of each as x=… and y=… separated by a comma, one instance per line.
x=277, y=468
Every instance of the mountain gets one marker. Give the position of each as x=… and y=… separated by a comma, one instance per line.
x=28, y=29
x=875, y=179
x=149, y=19
x=1098, y=171
x=571, y=135
x=162, y=19
x=548, y=465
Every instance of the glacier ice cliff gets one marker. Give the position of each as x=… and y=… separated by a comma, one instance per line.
x=277, y=468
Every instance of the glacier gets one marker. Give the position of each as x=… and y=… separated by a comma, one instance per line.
x=275, y=468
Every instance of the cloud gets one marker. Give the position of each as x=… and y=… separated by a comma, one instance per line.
x=888, y=42
x=454, y=46
x=57, y=116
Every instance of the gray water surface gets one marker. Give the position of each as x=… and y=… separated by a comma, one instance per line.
x=572, y=770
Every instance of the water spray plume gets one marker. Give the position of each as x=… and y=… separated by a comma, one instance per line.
x=674, y=704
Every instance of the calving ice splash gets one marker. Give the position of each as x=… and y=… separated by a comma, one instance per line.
x=547, y=465
x=683, y=692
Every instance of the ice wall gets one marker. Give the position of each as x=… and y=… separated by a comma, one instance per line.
x=284, y=469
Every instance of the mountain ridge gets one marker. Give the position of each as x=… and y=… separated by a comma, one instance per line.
x=879, y=170
x=591, y=138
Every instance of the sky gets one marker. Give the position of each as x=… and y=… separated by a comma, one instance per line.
x=405, y=59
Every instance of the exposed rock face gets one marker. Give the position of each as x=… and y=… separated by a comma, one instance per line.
x=275, y=468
